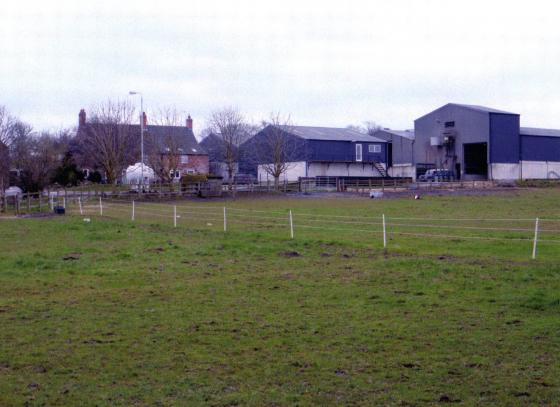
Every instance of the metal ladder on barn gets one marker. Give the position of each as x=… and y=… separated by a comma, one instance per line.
x=380, y=169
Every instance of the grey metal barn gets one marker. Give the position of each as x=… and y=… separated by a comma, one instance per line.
x=475, y=143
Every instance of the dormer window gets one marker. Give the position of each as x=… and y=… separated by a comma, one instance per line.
x=449, y=124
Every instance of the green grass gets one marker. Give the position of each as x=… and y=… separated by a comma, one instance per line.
x=112, y=312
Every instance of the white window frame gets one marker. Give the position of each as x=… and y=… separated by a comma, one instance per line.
x=374, y=148
x=359, y=155
x=184, y=159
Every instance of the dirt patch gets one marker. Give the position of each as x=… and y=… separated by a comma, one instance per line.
x=156, y=250
x=444, y=398
x=289, y=254
x=72, y=256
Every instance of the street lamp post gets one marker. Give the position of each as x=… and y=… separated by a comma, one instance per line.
x=141, y=134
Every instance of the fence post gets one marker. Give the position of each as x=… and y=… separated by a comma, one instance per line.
x=80, y=204
x=64, y=201
x=51, y=199
x=225, y=220
x=28, y=202
x=384, y=232
x=39, y=196
x=291, y=225
x=174, y=216
x=535, y=238
x=133, y=209
x=100, y=206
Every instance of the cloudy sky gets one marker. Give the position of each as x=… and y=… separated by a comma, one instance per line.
x=329, y=63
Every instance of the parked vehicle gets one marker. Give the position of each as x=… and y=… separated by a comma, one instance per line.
x=437, y=175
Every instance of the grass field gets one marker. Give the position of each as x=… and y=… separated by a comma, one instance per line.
x=114, y=312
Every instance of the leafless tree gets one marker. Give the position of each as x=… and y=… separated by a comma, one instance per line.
x=7, y=123
x=110, y=140
x=36, y=156
x=6, y=137
x=275, y=148
x=164, y=147
x=229, y=124
x=368, y=127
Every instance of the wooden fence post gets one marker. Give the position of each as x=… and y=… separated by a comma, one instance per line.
x=535, y=239
x=384, y=232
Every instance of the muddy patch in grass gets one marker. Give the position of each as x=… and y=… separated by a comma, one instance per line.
x=289, y=253
x=72, y=256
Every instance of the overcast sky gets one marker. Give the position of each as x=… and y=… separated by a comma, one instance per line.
x=326, y=63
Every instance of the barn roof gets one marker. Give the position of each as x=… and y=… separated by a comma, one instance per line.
x=475, y=108
x=479, y=108
x=408, y=134
x=535, y=131
x=330, y=134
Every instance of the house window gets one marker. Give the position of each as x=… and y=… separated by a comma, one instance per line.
x=184, y=159
x=358, y=152
x=449, y=124
x=177, y=174
x=374, y=148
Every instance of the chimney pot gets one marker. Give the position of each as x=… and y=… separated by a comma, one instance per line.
x=189, y=122
x=144, y=119
x=82, y=118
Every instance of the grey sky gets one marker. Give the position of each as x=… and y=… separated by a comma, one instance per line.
x=327, y=63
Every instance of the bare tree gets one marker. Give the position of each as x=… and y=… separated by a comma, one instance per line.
x=229, y=124
x=110, y=140
x=6, y=137
x=368, y=127
x=7, y=123
x=275, y=148
x=164, y=146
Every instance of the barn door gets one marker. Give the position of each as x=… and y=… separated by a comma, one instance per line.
x=358, y=152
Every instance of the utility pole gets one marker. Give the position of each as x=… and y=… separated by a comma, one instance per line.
x=141, y=135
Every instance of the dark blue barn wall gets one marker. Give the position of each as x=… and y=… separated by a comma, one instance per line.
x=329, y=150
x=504, y=138
x=540, y=148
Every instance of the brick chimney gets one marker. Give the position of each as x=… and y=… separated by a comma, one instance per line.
x=82, y=118
x=189, y=122
x=144, y=119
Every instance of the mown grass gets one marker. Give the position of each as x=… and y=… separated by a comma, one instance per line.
x=112, y=312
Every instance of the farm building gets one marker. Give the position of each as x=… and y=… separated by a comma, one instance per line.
x=216, y=148
x=172, y=151
x=315, y=152
x=399, y=151
x=475, y=143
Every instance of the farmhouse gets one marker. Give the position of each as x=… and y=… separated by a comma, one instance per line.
x=475, y=143
x=172, y=149
x=317, y=152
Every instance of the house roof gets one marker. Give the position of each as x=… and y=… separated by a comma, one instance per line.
x=330, y=134
x=534, y=131
x=183, y=138
x=408, y=134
